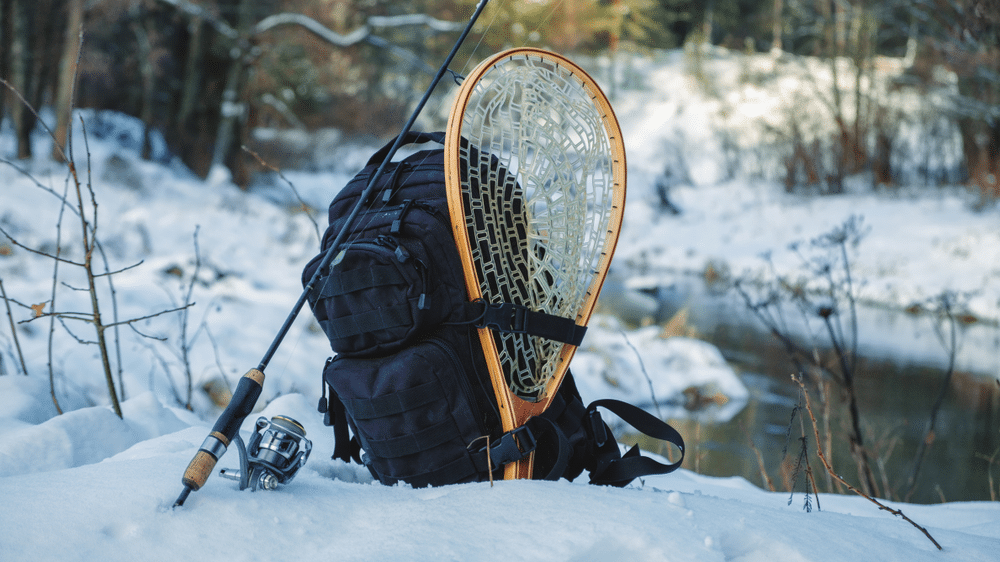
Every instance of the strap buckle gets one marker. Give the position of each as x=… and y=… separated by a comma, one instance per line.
x=504, y=317
x=597, y=429
x=512, y=446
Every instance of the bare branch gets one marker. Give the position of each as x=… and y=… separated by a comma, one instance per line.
x=37, y=252
x=78, y=339
x=305, y=206
x=20, y=97
x=314, y=27
x=415, y=19
x=148, y=316
x=642, y=367
x=361, y=34
x=829, y=469
x=82, y=316
x=218, y=361
x=199, y=12
x=126, y=268
x=38, y=184
x=147, y=336
x=13, y=329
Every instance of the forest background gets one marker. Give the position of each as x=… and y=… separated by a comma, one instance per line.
x=205, y=74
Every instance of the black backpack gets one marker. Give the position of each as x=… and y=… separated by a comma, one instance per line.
x=409, y=379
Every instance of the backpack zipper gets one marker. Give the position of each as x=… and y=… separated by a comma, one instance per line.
x=384, y=242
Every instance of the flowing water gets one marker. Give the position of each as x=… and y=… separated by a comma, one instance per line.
x=901, y=370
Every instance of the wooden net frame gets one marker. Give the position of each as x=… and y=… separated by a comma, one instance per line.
x=535, y=168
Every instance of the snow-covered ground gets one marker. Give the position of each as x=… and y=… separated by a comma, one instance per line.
x=87, y=485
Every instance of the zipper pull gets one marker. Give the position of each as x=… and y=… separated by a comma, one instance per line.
x=422, y=303
x=402, y=255
x=393, y=184
x=398, y=222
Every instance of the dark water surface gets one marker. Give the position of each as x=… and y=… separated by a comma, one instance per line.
x=900, y=373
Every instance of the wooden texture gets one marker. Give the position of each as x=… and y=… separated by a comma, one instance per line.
x=550, y=146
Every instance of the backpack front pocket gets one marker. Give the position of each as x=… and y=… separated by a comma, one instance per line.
x=373, y=297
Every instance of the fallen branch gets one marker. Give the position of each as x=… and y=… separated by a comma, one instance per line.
x=829, y=469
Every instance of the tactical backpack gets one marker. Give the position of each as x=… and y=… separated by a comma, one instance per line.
x=409, y=379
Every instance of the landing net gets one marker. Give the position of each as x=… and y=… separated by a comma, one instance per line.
x=543, y=184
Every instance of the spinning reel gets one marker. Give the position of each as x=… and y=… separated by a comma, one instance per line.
x=277, y=450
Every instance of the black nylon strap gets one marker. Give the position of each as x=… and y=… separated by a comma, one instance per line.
x=511, y=447
x=395, y=403
x=413, y=443
x=519, y=319
x=346, y=282
x=367, y=322
x=344, y=447
x=621, y=471
x=519, y=443
x=412, y=137
x=563, y=452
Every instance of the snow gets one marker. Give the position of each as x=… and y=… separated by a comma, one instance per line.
x=87, y=485
x=120, y=509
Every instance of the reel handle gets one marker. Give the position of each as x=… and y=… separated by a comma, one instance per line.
x=247, y=391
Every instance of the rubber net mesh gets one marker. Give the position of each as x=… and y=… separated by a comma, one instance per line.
x=537, y=187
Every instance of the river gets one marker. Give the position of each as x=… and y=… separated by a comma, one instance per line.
x=901, y=368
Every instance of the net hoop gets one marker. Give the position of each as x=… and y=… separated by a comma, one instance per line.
x=535, y=171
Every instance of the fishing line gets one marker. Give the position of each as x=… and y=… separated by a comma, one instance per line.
x=356, y=229
x=374, y=208
x=248, y=390
x=359, y=226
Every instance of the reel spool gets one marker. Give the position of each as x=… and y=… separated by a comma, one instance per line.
x=277, y=450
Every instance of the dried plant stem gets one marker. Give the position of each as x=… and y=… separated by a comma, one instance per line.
x=649, y=381
x=829, y=469
x=946, y=313
x=855, y=436
x=809, y=471
x=13, y=329
x=185, y=343
x=99, y=326
x=760, y=462
x=305, y=206
x=52, y=298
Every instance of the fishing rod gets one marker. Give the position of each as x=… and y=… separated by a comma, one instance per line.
x=248, y=390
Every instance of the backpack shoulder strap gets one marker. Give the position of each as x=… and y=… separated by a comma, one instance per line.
x=412, y=137
x=610, y=467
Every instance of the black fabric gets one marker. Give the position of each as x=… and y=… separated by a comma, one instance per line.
x=415, y=412
x=515, y=318
x=377, y=296
x=409, y=392
x=608, y=468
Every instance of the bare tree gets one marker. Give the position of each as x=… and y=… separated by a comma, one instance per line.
x=243, y=46
x=6, y=31
x=21, y=65
x=83, y=203
x=67, y=77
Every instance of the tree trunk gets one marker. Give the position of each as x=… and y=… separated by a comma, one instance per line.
x=67, y=79
x=148, y=82
x=776, y=25
x=981, y=148
x=21, y=63
x=232, y=109
x=6, y=30
x=193, y=66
